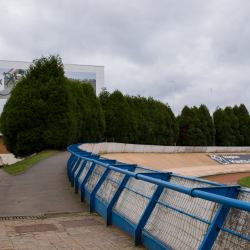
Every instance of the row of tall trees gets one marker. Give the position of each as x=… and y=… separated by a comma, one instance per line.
x=47, y=110
x=230, y=127
x=136, y=119
x=196, y=127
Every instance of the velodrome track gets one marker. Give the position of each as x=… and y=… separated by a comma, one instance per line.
x=187, y=164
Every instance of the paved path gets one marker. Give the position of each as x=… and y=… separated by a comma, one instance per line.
x=44, y=188
x=89, y=237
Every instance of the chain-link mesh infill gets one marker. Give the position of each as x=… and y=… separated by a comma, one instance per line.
x=85, y=171
x=95, y=177
x=237, y=221
x=78, y=168
x=73, y=165
x=177, y=230
x=108, y=187
x=132, y=205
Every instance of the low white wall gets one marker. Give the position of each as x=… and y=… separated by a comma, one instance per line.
x=8, y=159
x=113, y=147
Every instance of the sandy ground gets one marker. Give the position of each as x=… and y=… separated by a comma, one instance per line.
x=187, y=164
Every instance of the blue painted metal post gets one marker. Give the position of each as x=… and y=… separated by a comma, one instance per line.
x=98, y=185
x=218, y=220
x=70, y=161
x=117, y=194
x=71, y=175
x=86, y=179
x=71, y=166
x=75, y=166
x=150, y=207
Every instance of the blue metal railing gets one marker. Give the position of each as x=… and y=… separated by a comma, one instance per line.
x=81, y=165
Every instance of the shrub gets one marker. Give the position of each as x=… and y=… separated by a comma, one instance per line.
x=46, y=110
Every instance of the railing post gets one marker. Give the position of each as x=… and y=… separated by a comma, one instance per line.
x=117, y=194
x=70, y=160
x=146, y=214
x=71, y=174
x=218, y=220
x=70, y=163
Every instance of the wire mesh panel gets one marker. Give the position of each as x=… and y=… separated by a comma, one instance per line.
x=79, y=166
x=131, y=204
x=201, y=208
x=176, y=229
x=74, y=164
x=95, y=177
x=237, y=221
x=108, y=187
x=85, y=171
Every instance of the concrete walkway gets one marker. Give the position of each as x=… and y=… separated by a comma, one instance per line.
x=44, y=188
x=71, y=231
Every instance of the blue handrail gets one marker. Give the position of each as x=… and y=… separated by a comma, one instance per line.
x=223, y=195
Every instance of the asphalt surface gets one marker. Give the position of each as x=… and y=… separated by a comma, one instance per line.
x=42, y=189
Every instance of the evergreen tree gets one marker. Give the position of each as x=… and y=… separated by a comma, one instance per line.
x=133, y=124
x=93, y=116
x=174, y=125
x=224, y=134
x=236, y=138
x=244, y=124
x=207, y=125
x=189, y=127
x=117, y=116
x=38, y=113
x=46, y=110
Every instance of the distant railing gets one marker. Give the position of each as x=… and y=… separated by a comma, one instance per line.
x=162, y=210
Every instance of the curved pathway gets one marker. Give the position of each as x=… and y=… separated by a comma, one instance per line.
x=43, y=188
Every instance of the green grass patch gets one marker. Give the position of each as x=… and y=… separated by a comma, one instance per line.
x=245, y=181
x=20, y=166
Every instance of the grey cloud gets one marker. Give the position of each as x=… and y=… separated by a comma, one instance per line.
x=144, y=45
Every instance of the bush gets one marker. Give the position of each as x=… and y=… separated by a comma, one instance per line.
x=117, y=116
x=189, y=127
x=46, y=110
x=136, y=119
x=244, y=124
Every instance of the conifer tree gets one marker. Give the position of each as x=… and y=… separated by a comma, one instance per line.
x=189, y=127
x=236, y=138
x=224, y=134
x=244, y=123
x=46, y=110
x=207, y=125
x=117, y=116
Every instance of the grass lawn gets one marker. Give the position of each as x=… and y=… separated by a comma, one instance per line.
x=20, y=166
x=245, y=182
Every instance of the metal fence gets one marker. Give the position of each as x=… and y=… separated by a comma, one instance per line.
x=162, y=210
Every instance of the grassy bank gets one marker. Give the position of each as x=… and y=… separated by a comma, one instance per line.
x=20, y=166
x=245, y=182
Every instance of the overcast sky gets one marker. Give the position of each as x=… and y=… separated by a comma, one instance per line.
x=144, y=45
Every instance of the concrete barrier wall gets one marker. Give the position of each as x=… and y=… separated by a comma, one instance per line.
x=113, y=147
